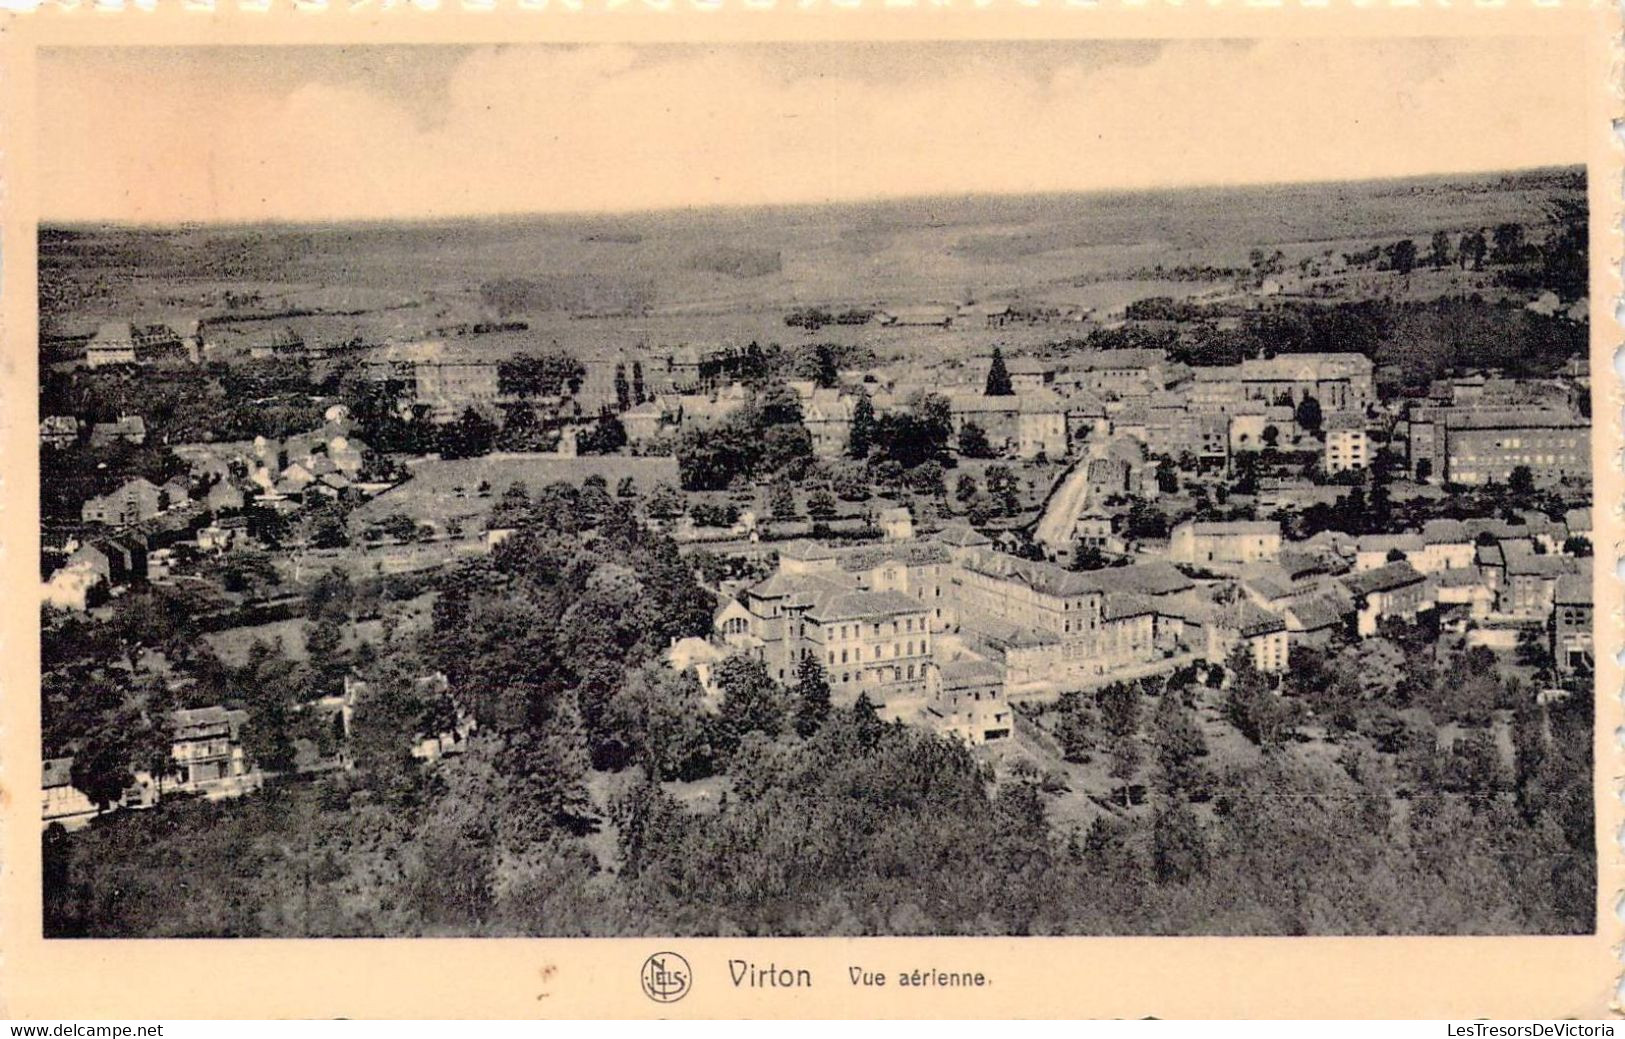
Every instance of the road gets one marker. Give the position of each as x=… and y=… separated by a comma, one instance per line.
x=1054, y=529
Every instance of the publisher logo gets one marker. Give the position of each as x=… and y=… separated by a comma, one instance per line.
x=666, y=977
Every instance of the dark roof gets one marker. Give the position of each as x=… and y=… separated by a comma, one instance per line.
x=961, y=674
x=1316, y=612
x=961, y=535
x=863, y=605
x=1382, y=579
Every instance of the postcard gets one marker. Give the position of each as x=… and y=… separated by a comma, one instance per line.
x=956, y=511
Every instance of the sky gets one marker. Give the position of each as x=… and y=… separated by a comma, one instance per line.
x=317, y=134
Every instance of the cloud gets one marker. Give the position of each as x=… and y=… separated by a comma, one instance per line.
x=524, y=129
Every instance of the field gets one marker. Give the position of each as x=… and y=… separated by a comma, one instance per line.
x=443, y=492
x=605, y=285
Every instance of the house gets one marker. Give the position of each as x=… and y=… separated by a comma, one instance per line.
x=1573, y=616
x=643, y=422
x=1348, y=447
x=965, y=699
x=1374, y=550
x=433, y=746
x=120, y=342
x=1396, y=590
x=74, y=588
x=1041, y=424
x=117, y=561
x=138, y=500
x=1109, y=371
x=1315, y=620
x=63, y=802
x=130, y=429
x=896, y=523
x=207, y=754
x=1528, y=580
x=113, y=343
x=1067, y=624
x=1446, y=545
x=827, y=414
x=700, y=658
x=1476, y=445
x=58, y=431
x=225, y=496
x=1230, y=542
x=1029, y=373
x=279, y=344
x=224, y=534
x=1577, y=522
x=1211, y=623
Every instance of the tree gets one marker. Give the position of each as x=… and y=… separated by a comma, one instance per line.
x=1508, y=244
x=1087, y=557
x=1308, y=414
x=1402, y=256
x=781, y=499
x=1074, y=726
x=1179, y=851
x=1471, y=250
x=660, y=716
x=998, y=377
x=101, y=769
x=665, y=502
x=1439, y=255
x=751, y=702
x=605, y=437
x=1565, y=255
x=1251, y=707
x=1004, y=488
x=1179, y=745
x=639, y=394
x=811, y=696
x=471, y=436
x=1521, y=484
x=965, y=489
x=1120, y=709
x=623, y=389
x=1126, y=758
x=860, y=437
x=973, y=442
x=1167, y=476
x=821, y=504
x=1578, y=546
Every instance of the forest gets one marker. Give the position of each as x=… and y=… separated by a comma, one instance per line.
x=602, y=796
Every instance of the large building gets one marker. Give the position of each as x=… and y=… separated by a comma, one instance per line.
x=120, y=342
x=1478, y=445
x=870, y=642
x=1198, y=543
x=448, y=384
x=1338, y=382
x=1068, y=623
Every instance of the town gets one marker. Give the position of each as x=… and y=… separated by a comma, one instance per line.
x=1323, y=506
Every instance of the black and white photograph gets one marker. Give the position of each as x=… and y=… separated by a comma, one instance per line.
x=816, y=489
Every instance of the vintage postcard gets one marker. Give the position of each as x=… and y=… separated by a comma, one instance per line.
x=1075, y=511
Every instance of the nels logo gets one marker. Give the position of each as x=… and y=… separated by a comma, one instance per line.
x=666, y=977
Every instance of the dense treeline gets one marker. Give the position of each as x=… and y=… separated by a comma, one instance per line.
x=561, y=817
x=864, y=828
